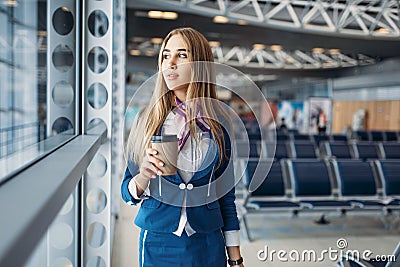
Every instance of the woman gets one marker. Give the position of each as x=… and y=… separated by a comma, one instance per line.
x=321, y=122
x=195, y=234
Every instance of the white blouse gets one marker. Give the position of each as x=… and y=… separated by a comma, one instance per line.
x=189, y=160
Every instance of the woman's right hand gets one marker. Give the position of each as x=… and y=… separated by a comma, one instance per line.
x=149, y=167
x=148, y=170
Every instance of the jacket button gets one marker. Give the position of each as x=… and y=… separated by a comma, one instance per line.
x=189, y=186
x=182, y=186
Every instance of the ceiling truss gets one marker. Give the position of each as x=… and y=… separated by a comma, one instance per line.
x=265, y=58
x=377, y=19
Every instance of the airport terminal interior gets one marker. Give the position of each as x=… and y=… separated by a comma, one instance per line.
x=314, y=89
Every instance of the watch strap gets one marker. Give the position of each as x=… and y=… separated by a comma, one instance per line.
x=235, y=262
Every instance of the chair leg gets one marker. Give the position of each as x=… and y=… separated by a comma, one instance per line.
x=387, y=220
x=396, y=221
x=391, y=220
x=343, y=213
x=295, y=214
x=322, y=220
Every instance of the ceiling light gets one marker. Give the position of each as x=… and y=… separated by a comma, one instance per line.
x=275, y=47
x=258, y=46
x=134, y=52
x=138, y=39
x=11, y=3
x=318, y=50
x=156, y=40
x=241, y=22
x=382, y=31
x=154, y=14
x=149, y=53
x=214, y=43
x=170, y=15
x=140, y=14
x=220, y=19
x=334, y=51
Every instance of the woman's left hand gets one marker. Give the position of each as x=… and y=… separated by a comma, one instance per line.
x=234, y=253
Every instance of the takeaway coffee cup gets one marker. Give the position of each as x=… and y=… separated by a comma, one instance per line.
x=167, y=147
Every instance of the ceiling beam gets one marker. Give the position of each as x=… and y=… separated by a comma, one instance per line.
x=266, y=58
x=374, y=19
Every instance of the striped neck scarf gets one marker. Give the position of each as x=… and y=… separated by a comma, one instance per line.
x=185, y=132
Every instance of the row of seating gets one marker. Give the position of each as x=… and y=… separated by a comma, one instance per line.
x=308, y=149
x=365, y=135
x=320, y=185
x=295, y=136
x=361, y=150
x=380, y=136
x=376, y=135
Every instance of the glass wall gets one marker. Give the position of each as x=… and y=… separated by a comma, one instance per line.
x=22, y=74
x=36, y=80
x=56, y=83
x=38, y=58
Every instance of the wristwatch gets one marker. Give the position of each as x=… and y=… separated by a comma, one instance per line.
x=235, y=262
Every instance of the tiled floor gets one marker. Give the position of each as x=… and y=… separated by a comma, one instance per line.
x=126, y=238
x=281, y=232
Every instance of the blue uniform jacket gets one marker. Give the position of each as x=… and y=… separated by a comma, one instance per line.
x=206, y=211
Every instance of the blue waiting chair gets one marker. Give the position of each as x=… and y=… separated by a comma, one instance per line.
x=318, y=138
x=280, y=136
x=377, y=136
x=303, y=149
x=251, y=149
x=390, y=150
x=340, y=150
x=339, y=137
x=282, y=150
x=254, y=136
x=243, y=149
x=299, y=137
x=313, y=186
x=358, y=184
x=391, y=136
x=389, y=174
x=295, y=131
x=365, y=150
x=361, y=135
x=266, y=190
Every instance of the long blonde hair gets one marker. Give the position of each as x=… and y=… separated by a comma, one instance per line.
x=202, y=87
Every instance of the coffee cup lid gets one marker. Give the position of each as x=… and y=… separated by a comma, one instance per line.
x=164, y=138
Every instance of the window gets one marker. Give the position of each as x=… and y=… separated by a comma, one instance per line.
x=25, y=81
